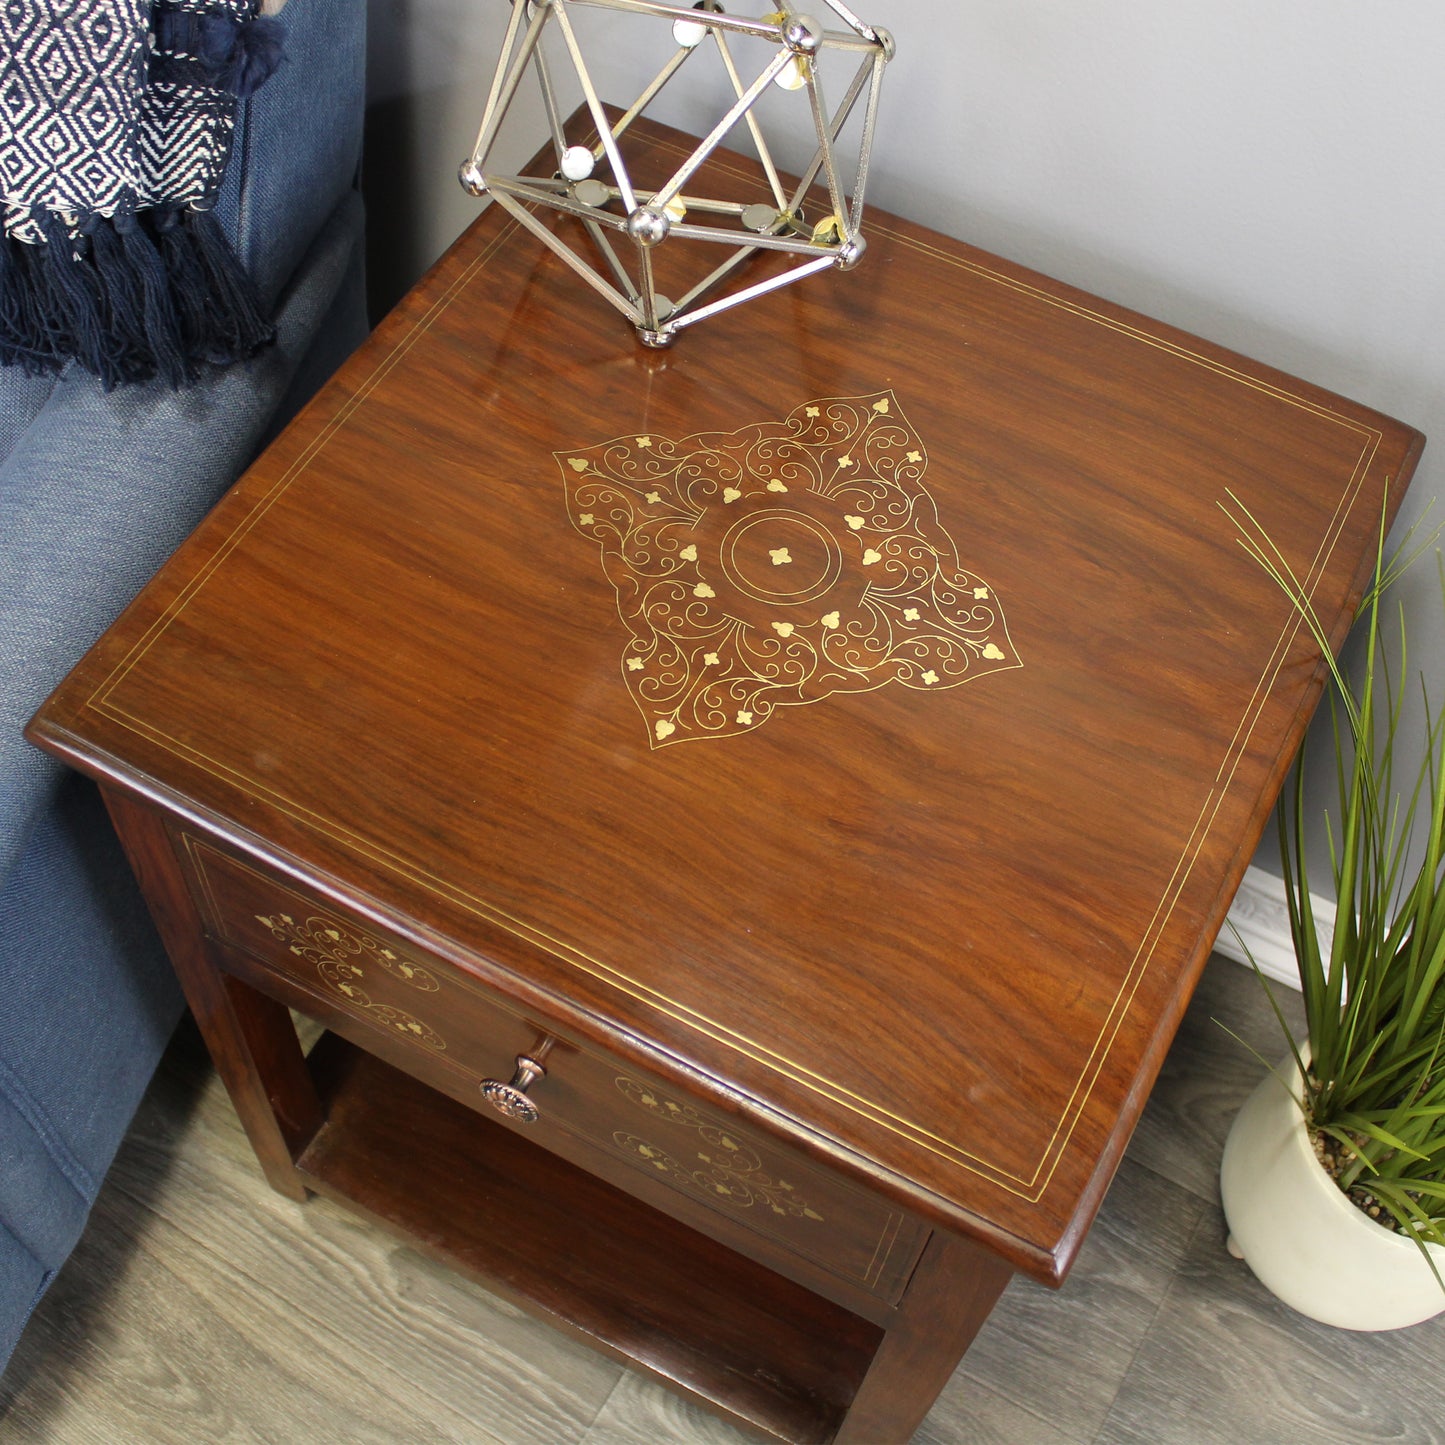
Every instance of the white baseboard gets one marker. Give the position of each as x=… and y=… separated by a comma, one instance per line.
x=1260, y=917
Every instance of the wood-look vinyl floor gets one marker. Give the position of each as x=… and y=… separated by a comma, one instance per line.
x=202, y=1307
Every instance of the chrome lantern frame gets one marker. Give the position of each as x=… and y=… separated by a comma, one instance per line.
x=594, y=183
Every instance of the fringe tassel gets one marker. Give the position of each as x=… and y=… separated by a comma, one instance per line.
x=122, y=296
x=16, y=323
x=131, y=298
x=188, y=280
x=75, y=300
x=161, y=332
x=239, y=324
x=224, y=51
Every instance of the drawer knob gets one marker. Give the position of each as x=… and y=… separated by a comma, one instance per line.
x=511, y=1098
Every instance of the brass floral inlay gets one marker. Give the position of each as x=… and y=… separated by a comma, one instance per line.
x=319, y=939
x=728, y=1171
x=779, y=564
x=335, y=953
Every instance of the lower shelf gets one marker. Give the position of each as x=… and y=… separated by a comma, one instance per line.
x=580, y=1253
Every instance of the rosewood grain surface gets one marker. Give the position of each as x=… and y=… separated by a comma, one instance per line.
x=940, y=937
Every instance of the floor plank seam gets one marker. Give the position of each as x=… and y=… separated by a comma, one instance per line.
x=1208, y=1200
x=1043, y=1422
x=602, y=1409
x=1098, y=1436
x=320, y=1325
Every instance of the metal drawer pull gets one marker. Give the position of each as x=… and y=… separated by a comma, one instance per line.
x=511, y=1099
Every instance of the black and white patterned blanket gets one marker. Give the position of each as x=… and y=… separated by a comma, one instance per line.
x=116, y=120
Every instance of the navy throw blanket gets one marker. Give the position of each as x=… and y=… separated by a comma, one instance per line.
x=116, y=119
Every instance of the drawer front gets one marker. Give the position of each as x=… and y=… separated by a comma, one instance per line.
x=711, y=1159
x=455, y=1033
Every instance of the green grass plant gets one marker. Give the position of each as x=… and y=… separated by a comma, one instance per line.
x=1374, y=1073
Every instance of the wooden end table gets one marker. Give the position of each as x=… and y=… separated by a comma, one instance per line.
x=749, y=817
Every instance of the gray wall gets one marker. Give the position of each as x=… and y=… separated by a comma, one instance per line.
x=1265, y=173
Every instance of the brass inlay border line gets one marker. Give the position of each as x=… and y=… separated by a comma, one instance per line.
x=883, y=1250
x=1030, y=1187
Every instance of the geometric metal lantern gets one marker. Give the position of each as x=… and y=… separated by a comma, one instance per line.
x=628, y=217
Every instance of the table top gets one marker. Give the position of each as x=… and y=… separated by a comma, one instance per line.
x=864, y=708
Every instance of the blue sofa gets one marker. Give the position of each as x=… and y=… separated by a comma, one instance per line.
x=96, y=490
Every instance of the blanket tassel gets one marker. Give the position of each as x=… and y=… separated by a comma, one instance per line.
x=241, y=327
x=130, y=297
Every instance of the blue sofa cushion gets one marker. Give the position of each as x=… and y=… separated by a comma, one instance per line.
x=22, y=1281
x=96, y=490
x=63, y=1101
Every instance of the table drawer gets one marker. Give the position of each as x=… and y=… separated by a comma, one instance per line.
x=456, y=1034
x=734, y=1171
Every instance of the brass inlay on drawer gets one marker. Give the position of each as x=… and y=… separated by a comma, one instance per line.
x=334, y=951
x=322, y=939
x=731, y=1172
x=696, y=1155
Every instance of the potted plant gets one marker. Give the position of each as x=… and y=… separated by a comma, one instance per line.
x=1333, y=1177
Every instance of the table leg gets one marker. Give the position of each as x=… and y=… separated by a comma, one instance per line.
x=250, y=1037
x=954, y=1287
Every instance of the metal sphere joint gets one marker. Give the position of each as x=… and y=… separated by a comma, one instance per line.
x=469, y=173
x=648, y=227
x=803, y=35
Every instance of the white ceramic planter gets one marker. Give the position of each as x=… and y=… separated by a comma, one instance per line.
x=1303, y=1238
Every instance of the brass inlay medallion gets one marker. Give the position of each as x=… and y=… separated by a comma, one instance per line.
x=727, y=1171
x=335, y=951
x=779, y=564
